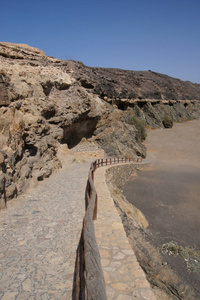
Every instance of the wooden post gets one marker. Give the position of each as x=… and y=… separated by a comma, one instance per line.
x=79, y=278
x=87, y=200
x=90, y=191
x=95, y=209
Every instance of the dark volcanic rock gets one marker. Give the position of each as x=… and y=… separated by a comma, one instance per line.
x=124, y=84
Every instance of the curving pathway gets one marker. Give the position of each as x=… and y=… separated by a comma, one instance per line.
x=124, y=278
x=39, y=234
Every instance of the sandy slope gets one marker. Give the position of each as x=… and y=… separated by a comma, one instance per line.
x=168, y=191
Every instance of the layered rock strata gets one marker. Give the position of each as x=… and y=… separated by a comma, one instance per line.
x=46, y=102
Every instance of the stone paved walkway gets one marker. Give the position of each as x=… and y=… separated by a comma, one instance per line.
x=124, y=278
x=39, y=234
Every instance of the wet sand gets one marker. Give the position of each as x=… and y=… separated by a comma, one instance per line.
x=167, y=191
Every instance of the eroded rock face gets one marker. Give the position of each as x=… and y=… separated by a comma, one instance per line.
x=19, y=51
x=45, y=102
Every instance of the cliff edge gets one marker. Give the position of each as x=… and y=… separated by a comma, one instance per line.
x=47, y=102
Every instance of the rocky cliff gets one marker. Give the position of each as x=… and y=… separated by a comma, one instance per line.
x=47, y=102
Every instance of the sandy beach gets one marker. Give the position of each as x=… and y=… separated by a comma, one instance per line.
x=167, y=191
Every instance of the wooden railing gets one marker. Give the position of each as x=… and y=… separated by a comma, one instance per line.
x=111, y=161
x=88, y=275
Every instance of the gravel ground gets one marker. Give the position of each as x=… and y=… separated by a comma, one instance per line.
x=168, y=192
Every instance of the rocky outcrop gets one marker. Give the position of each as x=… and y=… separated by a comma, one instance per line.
x=116, y=84
x=47, y=102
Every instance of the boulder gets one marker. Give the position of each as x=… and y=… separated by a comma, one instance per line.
x=11, y=191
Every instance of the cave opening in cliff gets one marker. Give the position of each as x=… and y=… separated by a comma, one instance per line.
x=141, y=104
x=121, y=105
x=31, y=149
x=74, y=133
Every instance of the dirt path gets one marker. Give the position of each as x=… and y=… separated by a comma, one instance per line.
x=39, y=234
x=168, y=191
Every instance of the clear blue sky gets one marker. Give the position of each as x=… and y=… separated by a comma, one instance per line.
x=160, y=35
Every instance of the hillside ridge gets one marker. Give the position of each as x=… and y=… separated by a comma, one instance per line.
x=47, y=103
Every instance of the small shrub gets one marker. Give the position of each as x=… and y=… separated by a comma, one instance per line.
x=189, y=254
x=140, y=126
x=168, y=122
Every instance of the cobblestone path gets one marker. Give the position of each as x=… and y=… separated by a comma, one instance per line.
x=39, y=234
